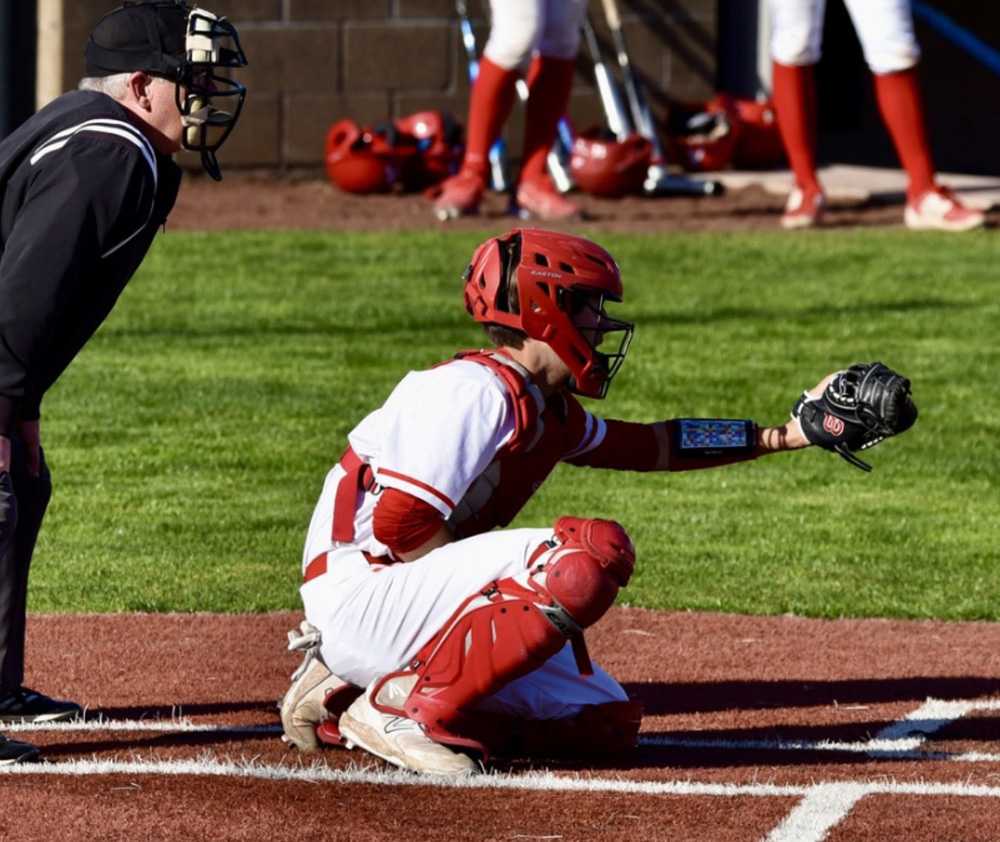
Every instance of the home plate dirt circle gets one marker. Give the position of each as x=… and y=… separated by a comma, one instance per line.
x=756, y=728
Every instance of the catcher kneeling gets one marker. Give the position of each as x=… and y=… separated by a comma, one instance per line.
x=432, y=641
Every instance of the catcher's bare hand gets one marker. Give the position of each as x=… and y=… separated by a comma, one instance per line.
x=855, y=409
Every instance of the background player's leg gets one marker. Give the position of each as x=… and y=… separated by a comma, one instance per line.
x=550, y=80
x=515, y=27
x=795, y=48
x=885, y=29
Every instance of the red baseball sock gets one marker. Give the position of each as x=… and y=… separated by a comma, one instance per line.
x=795, y=104
x=549, y=83
x=489, y=107
x=902, y=110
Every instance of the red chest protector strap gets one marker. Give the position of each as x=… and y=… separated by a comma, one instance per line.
x=527, y=399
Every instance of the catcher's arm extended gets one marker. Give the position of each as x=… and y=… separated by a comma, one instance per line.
x=683, y=444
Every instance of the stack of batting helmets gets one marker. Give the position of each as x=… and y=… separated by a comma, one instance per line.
x=412, y=152
x=725, y=131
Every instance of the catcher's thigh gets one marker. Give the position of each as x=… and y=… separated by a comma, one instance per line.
x=374, y=619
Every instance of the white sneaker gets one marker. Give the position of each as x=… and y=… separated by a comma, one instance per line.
x=940, y=210
x=303, y=706
x=396, y=739
x=803, y=210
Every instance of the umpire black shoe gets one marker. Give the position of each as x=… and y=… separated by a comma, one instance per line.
x=12, y=751
x=26, y=705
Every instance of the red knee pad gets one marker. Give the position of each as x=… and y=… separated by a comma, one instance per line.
x=595, y=558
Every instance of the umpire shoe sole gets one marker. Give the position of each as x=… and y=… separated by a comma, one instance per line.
x=14, y=751
x=400, y=741
x=26, y=706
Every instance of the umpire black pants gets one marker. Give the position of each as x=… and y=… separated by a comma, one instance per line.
x=32, y=494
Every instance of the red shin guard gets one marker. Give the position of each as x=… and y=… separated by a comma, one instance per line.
x=512, y=627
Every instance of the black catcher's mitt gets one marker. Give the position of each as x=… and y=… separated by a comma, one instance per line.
x=859, y=408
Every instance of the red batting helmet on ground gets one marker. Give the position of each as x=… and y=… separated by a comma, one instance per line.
x=541, y=283
x=359, y=160
x=434, y=141
x=604, y=166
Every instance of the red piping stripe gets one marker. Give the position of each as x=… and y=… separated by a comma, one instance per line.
x=422, y=485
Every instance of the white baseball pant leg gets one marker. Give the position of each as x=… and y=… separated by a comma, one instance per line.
x=376, y=619
x=884, y=28
x=522, y=27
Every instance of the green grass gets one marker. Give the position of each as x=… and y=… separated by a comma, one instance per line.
x=189, y=440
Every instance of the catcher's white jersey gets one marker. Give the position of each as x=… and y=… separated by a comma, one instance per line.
x=436, y=435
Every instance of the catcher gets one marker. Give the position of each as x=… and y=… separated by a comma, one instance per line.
x=430, y=637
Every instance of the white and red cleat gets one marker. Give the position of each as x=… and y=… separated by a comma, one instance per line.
x=539, y=199
x=459, y=195
x=940, y=210
x=803, y=209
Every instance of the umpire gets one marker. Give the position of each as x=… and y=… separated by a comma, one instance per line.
x=84, y=184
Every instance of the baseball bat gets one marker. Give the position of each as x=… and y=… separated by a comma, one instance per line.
x=499, y=178
x=607, y=90
x=659, y=182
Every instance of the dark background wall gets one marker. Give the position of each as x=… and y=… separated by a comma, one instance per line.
x=315, y=61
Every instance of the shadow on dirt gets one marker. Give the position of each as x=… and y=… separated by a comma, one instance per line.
x=661, y=698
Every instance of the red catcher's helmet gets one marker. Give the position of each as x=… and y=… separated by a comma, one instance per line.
x=359, y=160
x=556, y=277
x=603, y=166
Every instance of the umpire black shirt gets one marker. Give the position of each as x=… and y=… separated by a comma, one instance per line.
x=82, y=193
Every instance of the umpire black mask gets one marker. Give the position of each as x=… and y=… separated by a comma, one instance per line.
x=186, y=45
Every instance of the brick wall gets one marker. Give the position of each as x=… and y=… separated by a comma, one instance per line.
x=315, y=61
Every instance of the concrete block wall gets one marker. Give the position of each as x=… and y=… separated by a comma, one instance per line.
x=313, y=62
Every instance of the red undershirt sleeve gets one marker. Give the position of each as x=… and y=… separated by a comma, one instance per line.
x=627, y=446
x=402, y=522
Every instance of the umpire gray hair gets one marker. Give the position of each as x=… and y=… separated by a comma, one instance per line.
x=114, y=85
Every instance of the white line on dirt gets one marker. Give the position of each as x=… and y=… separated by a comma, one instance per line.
x=162, y=725
x=823, y=807
x=826, y=805
x=877, y=750
x=540, y=781
x=899, y=741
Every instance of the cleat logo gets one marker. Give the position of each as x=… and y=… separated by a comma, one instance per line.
x=833, y=425
x=397, y=723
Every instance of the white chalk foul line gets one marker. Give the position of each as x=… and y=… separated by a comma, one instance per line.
x=826, y=805
x=124, y=725
x=899, y=741
x=823, y=807
x=541, y=781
